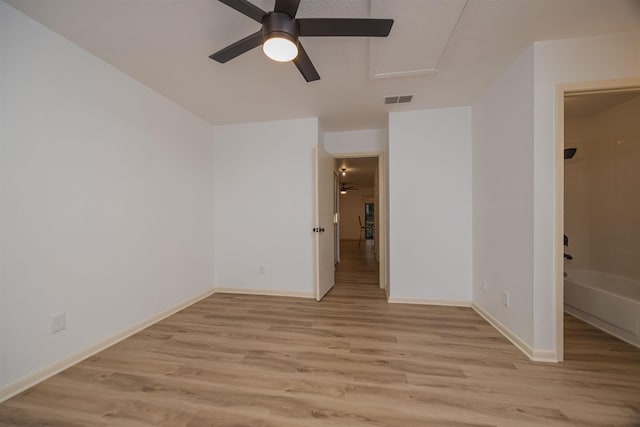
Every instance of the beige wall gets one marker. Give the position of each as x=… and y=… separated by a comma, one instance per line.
x=352, y=205
x=602, y=191
x=576, y=196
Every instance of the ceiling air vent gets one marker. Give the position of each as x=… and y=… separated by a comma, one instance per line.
x=398, y=99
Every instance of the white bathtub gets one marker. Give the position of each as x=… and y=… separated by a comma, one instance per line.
x=608, y=302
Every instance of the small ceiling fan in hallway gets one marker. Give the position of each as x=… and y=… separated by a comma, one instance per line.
x=344, y=188
x=280, y=32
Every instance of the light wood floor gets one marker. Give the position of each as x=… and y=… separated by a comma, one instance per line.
x=351, y=360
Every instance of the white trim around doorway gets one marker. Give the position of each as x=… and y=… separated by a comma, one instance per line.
x=383, y=211
x=601, y=86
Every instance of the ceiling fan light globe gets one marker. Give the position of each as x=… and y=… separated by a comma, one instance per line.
x=280, y=49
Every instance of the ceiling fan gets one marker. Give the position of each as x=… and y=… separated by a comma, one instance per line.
x=281, y=29
x=344, y=188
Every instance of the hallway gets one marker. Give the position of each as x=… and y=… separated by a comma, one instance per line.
x=357, y=273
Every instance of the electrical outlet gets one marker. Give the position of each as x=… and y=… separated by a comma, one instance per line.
x=505, y=299
x=58, y=322
x=262, y=270
x=485, y=287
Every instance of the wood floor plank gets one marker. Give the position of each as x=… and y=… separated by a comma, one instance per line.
x=351, y=360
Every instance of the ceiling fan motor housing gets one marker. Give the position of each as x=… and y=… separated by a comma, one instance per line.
x=278, y=24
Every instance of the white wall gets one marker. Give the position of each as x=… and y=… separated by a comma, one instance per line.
x=106, y=198
x=555, y=62
x=430, y=204
x=503, y=197
x=264, y=187
x=359, y=141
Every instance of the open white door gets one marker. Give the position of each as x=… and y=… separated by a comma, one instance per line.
x=325, y=267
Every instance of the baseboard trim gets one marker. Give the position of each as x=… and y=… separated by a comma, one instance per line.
x=600, y=324
x=429, y=301
x=534, y=355
x=266, y=292
x=42, y=374
x=547, y=356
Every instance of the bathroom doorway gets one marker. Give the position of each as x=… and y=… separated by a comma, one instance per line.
x=600, y=289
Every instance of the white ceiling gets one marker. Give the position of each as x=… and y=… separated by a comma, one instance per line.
x=443, y=51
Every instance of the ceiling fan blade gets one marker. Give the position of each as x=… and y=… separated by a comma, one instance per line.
x=341, y=27
x=290, y=7
x=238, y=48
x=246, y=8
x=305, y=66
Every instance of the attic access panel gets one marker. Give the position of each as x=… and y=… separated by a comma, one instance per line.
x=419, y=38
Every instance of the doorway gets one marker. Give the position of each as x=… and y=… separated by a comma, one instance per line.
x=598, y=282
x=361, y=227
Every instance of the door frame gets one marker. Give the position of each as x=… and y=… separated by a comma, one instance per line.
x=383, y=212
x=598, y=86
x=336, y=217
